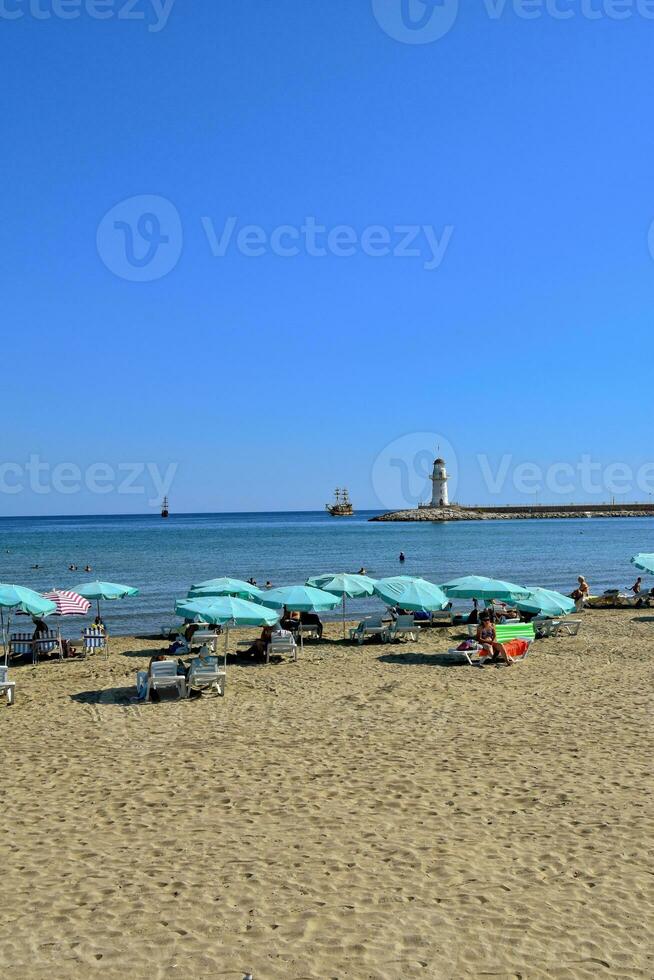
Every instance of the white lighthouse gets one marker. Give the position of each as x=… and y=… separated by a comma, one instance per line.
x=439, y=497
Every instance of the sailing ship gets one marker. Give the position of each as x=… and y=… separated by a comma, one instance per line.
x=342, y=506
x=164, y=508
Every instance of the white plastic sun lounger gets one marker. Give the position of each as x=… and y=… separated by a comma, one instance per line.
x=207, y=675
x=369, y=627
x=402, y=627
x=7, y=687
x=162, y=676
x=281, y=645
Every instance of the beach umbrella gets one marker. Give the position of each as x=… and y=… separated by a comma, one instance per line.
x=27, y=601
x=545, y=602
x=68, y=603
x=414, y=594
x=481, y=587
x=644, y=562
x=24, y=600
x=225, y=586
x=226, y=610
x=300, y=598
x=345, y=585
x=104, y=590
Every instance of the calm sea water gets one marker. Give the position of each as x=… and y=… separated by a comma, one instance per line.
x=163, y=558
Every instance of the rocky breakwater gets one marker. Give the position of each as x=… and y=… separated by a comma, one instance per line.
x=443, y=514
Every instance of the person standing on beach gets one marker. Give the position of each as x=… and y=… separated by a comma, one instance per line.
x=635, y=588
x=582, y=591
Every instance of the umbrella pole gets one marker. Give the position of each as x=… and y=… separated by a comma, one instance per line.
x=4, y=639
x=343, y=615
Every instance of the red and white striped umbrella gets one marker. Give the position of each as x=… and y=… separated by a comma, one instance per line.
x=68, y=603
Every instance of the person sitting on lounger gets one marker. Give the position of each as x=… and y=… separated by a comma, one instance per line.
x=156, y=659
x=98, y=624
x=258, y=648
x=313, y=620
x=487, y=638
x=290, y=620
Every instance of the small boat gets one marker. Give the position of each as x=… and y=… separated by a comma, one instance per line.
x=164, y=508
x=342, y=506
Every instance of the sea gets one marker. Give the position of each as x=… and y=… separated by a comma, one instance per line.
x=163, y=558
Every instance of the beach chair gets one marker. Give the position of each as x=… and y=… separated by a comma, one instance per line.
x=369, y=627
x=20, y=645
x=569, y=626
x=162, y=676
x=441, y=617
x=94, y=639
x=208, y=675
x=402, y=627
x=281, y=645
x=47, y=643
x=7, y=687
x=505, y=632
x=545, y=628
x=308, y=632
x=205, y=638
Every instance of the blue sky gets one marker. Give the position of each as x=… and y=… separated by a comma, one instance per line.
x=523, y=146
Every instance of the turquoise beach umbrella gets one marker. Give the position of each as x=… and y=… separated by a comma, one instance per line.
x=300, y=598
x=104, y=590
x=644, y=562
x=481, y=587
x=345, y=585
x=27, y=601
x=226, y=610
x=545, y=602
x=225, y=586
x=415, y=594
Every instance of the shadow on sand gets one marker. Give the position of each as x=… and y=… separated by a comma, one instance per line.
x=120, y=696
x=423, y=659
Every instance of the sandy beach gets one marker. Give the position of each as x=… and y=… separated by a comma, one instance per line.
x=366, y=813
